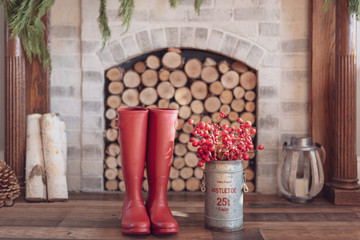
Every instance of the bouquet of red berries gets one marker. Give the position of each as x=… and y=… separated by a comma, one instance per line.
x=223, y=143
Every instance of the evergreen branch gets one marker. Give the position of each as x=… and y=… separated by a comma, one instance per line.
x=326, y=5
x=197, y=5
x=354, y=7
x=103, y=23
x=126, y=10
x=173, y=3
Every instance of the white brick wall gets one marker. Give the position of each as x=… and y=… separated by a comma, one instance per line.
x=268, y=35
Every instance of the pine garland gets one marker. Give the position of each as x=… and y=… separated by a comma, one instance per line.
x=354, y=7
x=24, y=19
x=103, y=23
x=125, y=11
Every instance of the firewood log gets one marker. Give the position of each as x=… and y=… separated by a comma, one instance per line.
x=35, y=170
x=145, y=185
x=145, y=173
x=206, y=119
x=131, y=79
x=174, y=173
x=120, y=174
x=230, y=79
x=55, y=165
x=239, y=92
x=226, y=97
x=122, y=186
x=245, y=164
x=186, y=172
x=163, y=103
x=164, y=74
x=111, y=162
x=153, y=62
x=191, y=148
x=197, y=106
x=113, y=123
x=251, y=186
x=199, y=173
x=178, y=185
x=233, y=116
x=196, y=118
x=187, y=128
x=235, y=124
x=114, y=74
x=191, y=160
x=180, y=149
x=110, y=114
x=248, y=80
x=239, y=67
x=171, y=60
x=250, y=95
x=215, y=117
x=176, y=50
x=165, y=90
x=111, y=185
x=111, y=135
x=212, y=104
x=111, y=173
x=113, y=101
x=179, y=162
x=225, y=109
x=180, y=125
x=209, y=62
x=184, y=112
x=184, y=138
x=139, y=67
x=149, y=78
x=113, y=149
x=247, y=116
x=118, y=160
x=224, y=121
x=250, y=106
x=116, y=88
x=183, y=96
x=199, y=90
x=223, y=67
x=249, y=174
x=238, y=105
x=178, y=78
x=193, y=68
x=192, y=184
x=131, y=97
x=148, y=96
x=252, y=154
x=174, y=105
x=209, y=74
x=216, y=88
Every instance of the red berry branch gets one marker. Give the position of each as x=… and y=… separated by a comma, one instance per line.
x=222, y=143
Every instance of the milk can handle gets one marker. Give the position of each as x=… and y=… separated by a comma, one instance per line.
x=203, y=188
x=245, y=187
x=323, y=152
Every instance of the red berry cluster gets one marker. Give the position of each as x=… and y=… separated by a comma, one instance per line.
x=222, y=143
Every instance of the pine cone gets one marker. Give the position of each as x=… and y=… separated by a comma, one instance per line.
x=9, y=186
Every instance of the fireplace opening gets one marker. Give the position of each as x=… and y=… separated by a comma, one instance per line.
x=200, y=84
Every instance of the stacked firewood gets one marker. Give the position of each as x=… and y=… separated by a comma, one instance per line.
x=199, y=89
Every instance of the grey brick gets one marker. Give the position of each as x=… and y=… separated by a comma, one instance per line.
x=74, y=153
x=257, y=14
x=228, y=45
x=92, y=92
x=178, y=15
x=64, y=32
x=205, y=3
x=59, y=77
x=72, y=122
x=66, y=106
x=64, y=91
x=267, y=108
x=296, y=76
x=187, y=37
x=294, y=108
x=92, y=152
x=117, y=51
x=139, y=15
x=269, y=3
x=215, y=39
x=92, y=168
x=91, y=62
x=92, y=184
x=65, y=61
x=65, y=46
x=268, y=122
x=296, y=45
x=92, y=138
x=93, y=107
x=90, y=46
x=92, y=122
x=266, y=92
x=73, y=168
x=267, y=170
x=210, y=15
x=269, y=29
x=270, y=139
x=93, y=76
x=272, y=60
x=254, y=56
x=130, y=46
x=158, y=38
x=74, y=183
x=172, y=36
x=294, y=123
x=144, y=42
x=106, y=57
x=73, y=137
x=267, y=155
x=266, y=185
x=242, y=50
x=295, y=60
x=201, y=35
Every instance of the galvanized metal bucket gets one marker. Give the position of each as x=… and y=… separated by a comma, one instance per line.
x=224, y=183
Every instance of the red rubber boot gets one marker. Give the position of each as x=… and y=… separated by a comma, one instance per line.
x=161, y=134
x=132, y=123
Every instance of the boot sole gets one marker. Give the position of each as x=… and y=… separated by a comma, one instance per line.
x=164, y=231
x=136, y=231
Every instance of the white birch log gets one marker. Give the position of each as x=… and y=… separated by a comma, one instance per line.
x=35, y=169
x=54, y=157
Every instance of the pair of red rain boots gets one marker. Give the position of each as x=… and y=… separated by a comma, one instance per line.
x=147, y=134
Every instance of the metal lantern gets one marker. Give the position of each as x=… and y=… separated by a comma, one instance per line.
x=300, y=174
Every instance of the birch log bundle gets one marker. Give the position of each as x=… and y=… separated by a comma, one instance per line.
x=200, y=88
x=46, y=156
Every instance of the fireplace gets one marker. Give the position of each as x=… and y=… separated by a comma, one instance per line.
x=263, y=35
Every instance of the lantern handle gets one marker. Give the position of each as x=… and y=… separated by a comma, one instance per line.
x=322, y=152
